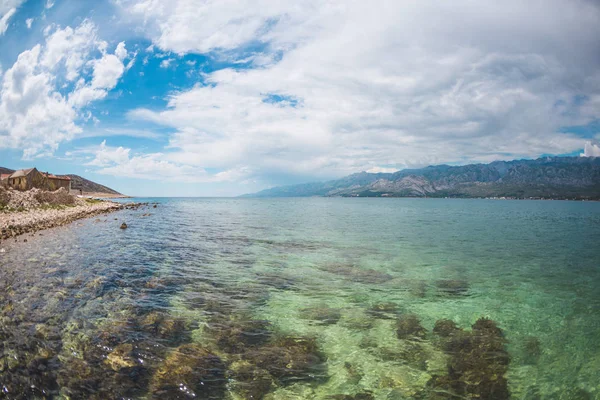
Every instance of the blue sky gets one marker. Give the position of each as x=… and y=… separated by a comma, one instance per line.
x=220, y=98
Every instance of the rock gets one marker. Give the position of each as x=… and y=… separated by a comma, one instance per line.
x=321, y=314
x=453, y=287
x=290, y=359
x=409, y=327
x=121, y=357
x=445, y=327
x=190, y=371
x=123, y=225
x=238, y=336
x=155, y=206
x=248, y=380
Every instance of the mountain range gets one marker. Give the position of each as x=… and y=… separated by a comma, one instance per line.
x=78, y=182
x=548, y=177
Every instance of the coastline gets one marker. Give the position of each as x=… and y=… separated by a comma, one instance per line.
x=15, y=223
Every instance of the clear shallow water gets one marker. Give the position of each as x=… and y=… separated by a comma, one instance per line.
x=307, y=298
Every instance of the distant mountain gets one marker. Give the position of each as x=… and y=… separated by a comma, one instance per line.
x=550, y=177
x=78, y=182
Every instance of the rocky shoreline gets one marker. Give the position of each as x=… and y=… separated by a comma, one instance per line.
x=16, y=223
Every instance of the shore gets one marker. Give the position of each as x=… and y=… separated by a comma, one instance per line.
x=100, y=195
x=16, y=223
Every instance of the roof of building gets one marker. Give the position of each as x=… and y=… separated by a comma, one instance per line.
x=51, y=176
x=4, y=176
x=21, y=172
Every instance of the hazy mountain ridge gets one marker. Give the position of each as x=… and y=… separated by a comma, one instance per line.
x=549, y=177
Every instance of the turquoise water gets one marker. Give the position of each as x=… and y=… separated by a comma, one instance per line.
x=307, y=298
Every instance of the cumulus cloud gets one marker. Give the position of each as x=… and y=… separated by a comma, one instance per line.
x=591, y=150
x=352, y=84
x=105, y=156
x=120, y=161
x=35, y=115
x=29, y=22
x=8, y=8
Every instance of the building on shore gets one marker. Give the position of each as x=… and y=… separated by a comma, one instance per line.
x=4, y=180
x=26, y=179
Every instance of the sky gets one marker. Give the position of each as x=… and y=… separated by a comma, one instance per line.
x=225, y=97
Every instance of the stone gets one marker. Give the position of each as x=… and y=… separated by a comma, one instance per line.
x=190, y=371
x=123, y=225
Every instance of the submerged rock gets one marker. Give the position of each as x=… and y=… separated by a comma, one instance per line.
x=290, y=359
x=238, y=336
x=478, y=363
x=383, y=310
x=322, y=314
x=357, y=396
x=453, y=287
x=121, y=357
x=123, y=225
x=532, y=349
x=409, y=327
x=249, y=381
x=357, y=274
x=445, y=327
x=190, y=371
x=165, y=327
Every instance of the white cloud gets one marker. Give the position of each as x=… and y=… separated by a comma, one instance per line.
x=29, y=22
x=119, y=161
x=107, y=71
x=8, y=8
x=34, y=115
x=71, y=48
x=121, y=51
x=49, y=4
x=376, y=170
x=346, y=85
x=105, y=156
x=591, y=150
x=201, y=26
x=166, y=62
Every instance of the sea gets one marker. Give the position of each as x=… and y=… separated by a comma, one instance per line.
x=307, y=298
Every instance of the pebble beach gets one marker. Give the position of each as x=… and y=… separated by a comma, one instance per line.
x=35, y=210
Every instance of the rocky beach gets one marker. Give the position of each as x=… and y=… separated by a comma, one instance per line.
x=35, y=210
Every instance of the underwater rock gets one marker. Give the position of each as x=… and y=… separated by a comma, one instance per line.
x=321, y=315
x=478, y=363
x=165, y=327
x=123, y=225
x=357, y=396
x=190, y=371
x=453, y=287
x=249, y=381
x=532, y=349
x=237, y=336
x=383, y=310
x=445, y=327
x=409, y=326
x=277, y=281
x=121, y=357
x=289, y=359
x=354, y=373
x=357, y=274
